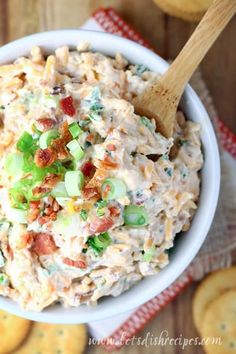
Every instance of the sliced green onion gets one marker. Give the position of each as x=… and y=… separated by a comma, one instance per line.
x=51, y=101
x=84, y=122
x=74, y=181
x=101, y=205
x=4, y=280
x=135, y=215
x=46, y=138
x=148, y=255
x=99, y=243
x=113, y=188
x=75, y=130
x=95, y=116
x=59, y=190
x=83, y=214
x=25, y=142
x=17, y=215
x=14, y=164
x=75, y=149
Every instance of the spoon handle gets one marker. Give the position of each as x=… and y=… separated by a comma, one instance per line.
x=212, y=24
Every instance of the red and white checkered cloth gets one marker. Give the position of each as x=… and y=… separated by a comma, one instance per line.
x=215, y=253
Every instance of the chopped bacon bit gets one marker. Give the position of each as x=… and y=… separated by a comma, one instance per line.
x=10, y=251
x=45, y=157
x=111, y=147
x=67, y=105
x=77, y=264
x=90, y=138
x=108, y=163
x=43, y=244
x=88, y=169
x=55, y=206
x=34, y=204
x=43, y=220
x=99, y=225
x=90, y=193
x=27, y=239
x=33, y=214
x=59, y=145
x=60, y=149
x=97, y=179
x=114, y=211
x=39, y=190
x=51, y=180
x=45, y=124
x=106, y=191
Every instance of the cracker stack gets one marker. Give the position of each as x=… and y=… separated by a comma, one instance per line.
x=190, y=10
x=214, y=311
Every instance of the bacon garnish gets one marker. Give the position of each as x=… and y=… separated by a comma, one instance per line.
x=45, y=124
x=67, y=105
x=108, y=163
x=59, y=145
x=45, y=157
x=51, y=180
x=90, y=193
x=77, y=264
x=88, y=169
x=97, y=179
x=33, y=214
x=114, y=211
x=99, y=225
x=43, y=244
x=38, y=191
x=46, y=186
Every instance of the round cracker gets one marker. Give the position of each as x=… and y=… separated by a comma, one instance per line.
x=13, y=330
x=220, y=322
x=190, y=10
x=214, y=285
x=47, y=338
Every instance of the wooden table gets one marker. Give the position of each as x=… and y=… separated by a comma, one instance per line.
x=21, y=17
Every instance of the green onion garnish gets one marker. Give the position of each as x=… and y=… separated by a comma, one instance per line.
x=25, y=142
x=14, y=164
x=84, y=122
x=135, y=215
x=46, y=138
x=83, y=214
x=4, y=280
x=101, y=205
x=75, y=149
x=75, y=130
x=113, y=188
x=148, y=255
x=99, y=243
x=59, y=190
x=74, y=181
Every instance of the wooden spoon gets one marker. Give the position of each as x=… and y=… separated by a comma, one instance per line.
x=161, y=100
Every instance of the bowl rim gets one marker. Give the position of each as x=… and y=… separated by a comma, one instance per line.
x=114, y=306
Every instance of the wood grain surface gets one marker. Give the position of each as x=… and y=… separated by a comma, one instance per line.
x=168, y=35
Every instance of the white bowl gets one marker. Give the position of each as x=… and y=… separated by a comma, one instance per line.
x=190, y=242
